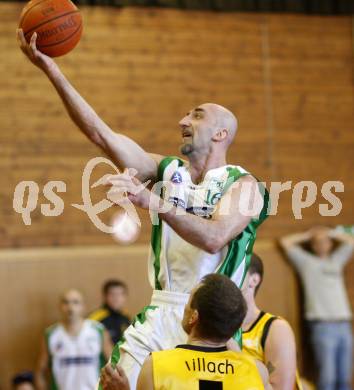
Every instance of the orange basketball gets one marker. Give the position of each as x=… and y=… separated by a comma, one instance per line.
x=58, y=25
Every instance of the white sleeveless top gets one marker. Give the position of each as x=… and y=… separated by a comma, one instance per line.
x=176, y=265
x=75, y=361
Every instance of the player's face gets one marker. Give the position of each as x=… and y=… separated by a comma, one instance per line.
x=72, y=306
x=321, y=244
x=246, y=285
x=24, y=386
x=116, y=298
x=197, y=129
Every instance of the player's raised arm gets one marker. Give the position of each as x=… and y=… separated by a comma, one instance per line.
x=123, y=151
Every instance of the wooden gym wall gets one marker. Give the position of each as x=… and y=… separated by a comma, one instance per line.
x=288, y=78
x=32, y=279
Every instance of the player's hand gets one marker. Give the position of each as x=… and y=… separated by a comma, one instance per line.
x=114, y=378
x=31, y=52
x=135, y=191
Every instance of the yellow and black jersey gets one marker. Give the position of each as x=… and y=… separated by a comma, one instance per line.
x=114, y=321
x=191, y=367
x=254, y=339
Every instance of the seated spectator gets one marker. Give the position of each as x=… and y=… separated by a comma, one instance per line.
x=111, y=315
x=23, y=381
x=215, y=311
x=73, y=350
x=327, y=308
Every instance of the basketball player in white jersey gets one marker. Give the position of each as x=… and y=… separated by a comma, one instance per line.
x=73, y=350
x=215, y=234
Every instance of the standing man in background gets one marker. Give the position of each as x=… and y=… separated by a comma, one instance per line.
x=73, y=350
x=115, y=293
x=327, y=308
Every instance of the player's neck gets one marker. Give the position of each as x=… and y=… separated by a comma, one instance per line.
x=200, y=164
x=195, y=340
x=252, y=314
x=74, y=327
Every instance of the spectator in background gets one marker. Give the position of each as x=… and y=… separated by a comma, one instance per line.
x=327, y=308
x=111, y=315
x=73, y=350
x=23, y=381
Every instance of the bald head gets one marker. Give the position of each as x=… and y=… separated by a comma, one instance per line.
x=71, y=294
x=225, y=119
x=208, y=128
x=72, y=305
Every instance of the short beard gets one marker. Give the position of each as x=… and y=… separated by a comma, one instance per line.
x=187, y=149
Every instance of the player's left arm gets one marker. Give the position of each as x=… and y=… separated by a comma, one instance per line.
x=107, y=345
x=280, y=355
x=230, y=218
x=241, y=202
x=146, y=380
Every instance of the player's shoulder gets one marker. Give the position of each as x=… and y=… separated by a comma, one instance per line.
x=277, y=321
x=280, y=324
x=51, y=329
x=99, y=314
x=277, y=328
x=240, y=356
x=166, y=353
x=236, y=174
x=167, y=160
x=168, y=356
x=95, y=325
x=170, y=164
x=237, y=169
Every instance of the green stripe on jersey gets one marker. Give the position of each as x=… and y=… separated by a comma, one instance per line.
x=48, y=332
x=156, y=232
x=241, y=247
x=141, y=318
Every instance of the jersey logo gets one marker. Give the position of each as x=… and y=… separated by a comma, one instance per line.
x=213, y=198
x=58, y=346
x=177, y=202
x=200, y=364
x=176, y=178
x=76, y=360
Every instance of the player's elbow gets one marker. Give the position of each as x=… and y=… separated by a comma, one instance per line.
x=96, y=139
x=214, y=245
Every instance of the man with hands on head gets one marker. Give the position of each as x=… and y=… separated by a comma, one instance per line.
x=215, y=311
x=327, y=308
x=207, y=215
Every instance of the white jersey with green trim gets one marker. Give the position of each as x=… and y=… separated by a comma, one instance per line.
x=75, y=362
x=176, y=265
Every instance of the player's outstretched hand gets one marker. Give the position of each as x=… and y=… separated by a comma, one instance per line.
x=114, y=378
x=31, y=52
